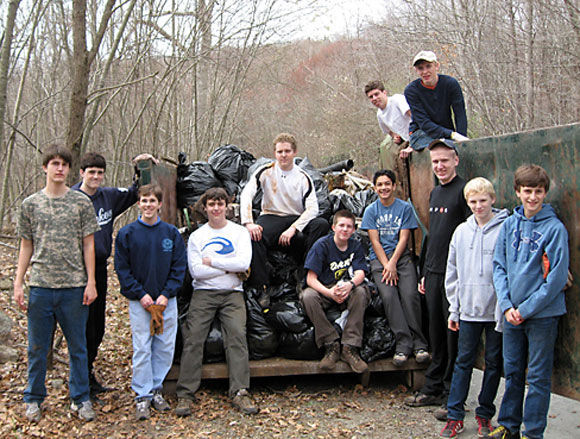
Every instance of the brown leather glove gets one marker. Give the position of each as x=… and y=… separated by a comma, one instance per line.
x=244, y=275
x=156, y=324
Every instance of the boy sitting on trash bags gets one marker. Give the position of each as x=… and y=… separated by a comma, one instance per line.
x=336, y=269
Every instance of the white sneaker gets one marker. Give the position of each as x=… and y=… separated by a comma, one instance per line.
x=159, y=403
x=33, y=413
x=143, y=410
x=84, y=410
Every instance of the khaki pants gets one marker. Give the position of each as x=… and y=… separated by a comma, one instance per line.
x=230, y=308
x=315, y=304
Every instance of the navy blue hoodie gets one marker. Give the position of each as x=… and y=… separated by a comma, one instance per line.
x=517, y=264
x=109, y=203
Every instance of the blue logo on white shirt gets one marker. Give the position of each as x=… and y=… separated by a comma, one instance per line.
x=225, y=244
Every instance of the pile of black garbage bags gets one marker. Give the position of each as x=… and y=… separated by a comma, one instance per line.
x=276, y=322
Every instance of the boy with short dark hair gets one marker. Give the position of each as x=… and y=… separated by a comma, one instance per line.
x=472, y=306
x=150, y=263
x=531, y=301
x=336, y=269
x=389, y=222
x=109, y=203
x=217, y=253
x=57, y=229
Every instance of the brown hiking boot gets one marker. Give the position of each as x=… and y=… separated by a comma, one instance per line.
x=244, y=403
x=331, y=356
x=350, y=355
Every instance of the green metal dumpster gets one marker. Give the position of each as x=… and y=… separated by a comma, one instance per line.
x=496, y=158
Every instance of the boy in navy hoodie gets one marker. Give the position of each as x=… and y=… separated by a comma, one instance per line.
x=109, y=203
x=472, y=306
x=532, y=299
x=150, y=263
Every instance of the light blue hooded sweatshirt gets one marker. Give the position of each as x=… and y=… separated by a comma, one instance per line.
x=517, y=264
x=469, y=272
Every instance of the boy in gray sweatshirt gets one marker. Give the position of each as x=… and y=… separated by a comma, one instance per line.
x=472, y=306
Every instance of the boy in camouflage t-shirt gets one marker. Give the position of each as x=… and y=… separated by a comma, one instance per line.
x=56, y=229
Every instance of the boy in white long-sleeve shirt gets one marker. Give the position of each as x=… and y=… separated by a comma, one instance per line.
x=217, y=252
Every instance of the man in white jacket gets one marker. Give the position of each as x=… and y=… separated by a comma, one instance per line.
x=473, y=306
x=289, y=206
x=216, y=253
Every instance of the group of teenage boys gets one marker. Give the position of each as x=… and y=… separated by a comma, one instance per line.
x=60, y=237
x=483, y=271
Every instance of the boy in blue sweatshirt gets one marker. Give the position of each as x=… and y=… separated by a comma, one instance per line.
x=472, y=306
x=531, y=301
x=150, y=263
x=109, y=203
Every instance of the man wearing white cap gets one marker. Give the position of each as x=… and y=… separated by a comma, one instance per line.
x=432, y=97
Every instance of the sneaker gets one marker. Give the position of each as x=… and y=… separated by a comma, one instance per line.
x=420, y=400
x=159, y=403
x=503, y=433
x=143, y=409
x=33, y=413
x=84, y=410
x=452, y=428
x=244, y=403
x=484, y=426
x=399, y=359
x=183, y=407
x=351, y=356
x=441, y=413
x=422, y=356
x=331, y=356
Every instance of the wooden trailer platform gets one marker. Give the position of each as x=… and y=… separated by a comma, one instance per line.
x=277, y=366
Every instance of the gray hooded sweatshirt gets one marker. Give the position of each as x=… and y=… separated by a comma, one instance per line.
x=469, y=273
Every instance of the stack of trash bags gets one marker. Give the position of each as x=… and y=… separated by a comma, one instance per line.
x=276, y=322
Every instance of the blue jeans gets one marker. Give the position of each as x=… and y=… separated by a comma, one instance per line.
x=152, y=354
x=65, y=306
x=419, y=140
x=534, y=338
x=469, y=336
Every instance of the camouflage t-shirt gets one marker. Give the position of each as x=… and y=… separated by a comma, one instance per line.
x=56, y=227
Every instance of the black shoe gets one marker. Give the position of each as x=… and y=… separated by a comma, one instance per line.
x=95, y=387
x=420, y=400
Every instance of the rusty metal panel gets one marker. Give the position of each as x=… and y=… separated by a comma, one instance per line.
x=166, y=177
x=556, y=150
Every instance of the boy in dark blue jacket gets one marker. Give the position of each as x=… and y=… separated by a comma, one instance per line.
x=150, y=263
x=531, y=297
x=109, y=203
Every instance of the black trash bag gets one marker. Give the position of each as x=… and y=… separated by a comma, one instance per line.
x=262, y=338
x=378, y=340
x=282, y=293
x=362, y=236
x=193, y=180
x=341, y=199
x=375, y=307
x=287, y=317
x=231, y=165
x=283, y=268
x=299, y=346
x=324, y=207
x=257, y=202
x=365, y=198
x=213, y=350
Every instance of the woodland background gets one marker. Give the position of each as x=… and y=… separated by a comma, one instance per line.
x=127, y=76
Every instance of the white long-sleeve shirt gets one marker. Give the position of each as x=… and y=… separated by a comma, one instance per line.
x=285, y=193
x=230, y=251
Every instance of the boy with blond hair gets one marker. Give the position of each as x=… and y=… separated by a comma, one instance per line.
x=531, y=301
x=472, y=304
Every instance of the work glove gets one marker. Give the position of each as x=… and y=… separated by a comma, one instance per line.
x=156, y=324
